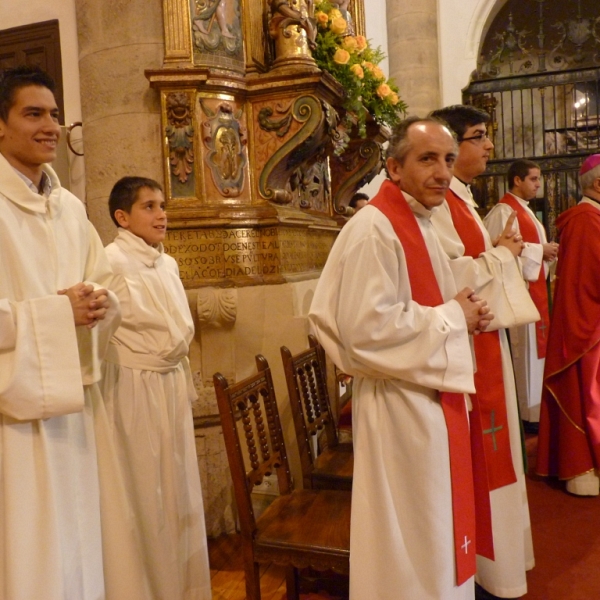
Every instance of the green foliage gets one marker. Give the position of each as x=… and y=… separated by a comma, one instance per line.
x=352, y=61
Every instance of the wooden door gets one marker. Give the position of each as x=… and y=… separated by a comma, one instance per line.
x=37, y=44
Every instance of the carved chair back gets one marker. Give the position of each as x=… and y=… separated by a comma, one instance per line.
x=301, y=528
x=249, y=417
x=305, y=375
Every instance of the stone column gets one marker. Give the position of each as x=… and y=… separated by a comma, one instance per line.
x=413, y=50
x=118, y=40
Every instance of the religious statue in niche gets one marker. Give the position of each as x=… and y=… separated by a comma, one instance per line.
x=292, y=12
x=225, y=138
x=180, y=134
x=216, y=26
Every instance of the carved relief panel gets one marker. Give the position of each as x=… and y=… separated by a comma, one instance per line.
x=291, y=144
x=217, y=37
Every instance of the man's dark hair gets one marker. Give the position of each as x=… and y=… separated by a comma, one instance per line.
x=125, y=193
x=520, y=168
x=460, y=117
x=12, y=80
x=399, y=145
x=358, y=196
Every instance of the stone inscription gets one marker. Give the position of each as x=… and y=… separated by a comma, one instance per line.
x=246, y=256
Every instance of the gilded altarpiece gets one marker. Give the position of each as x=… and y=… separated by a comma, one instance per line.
x=258, y=176
x=252, y=142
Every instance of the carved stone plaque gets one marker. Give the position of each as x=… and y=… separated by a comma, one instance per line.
x=247, y=256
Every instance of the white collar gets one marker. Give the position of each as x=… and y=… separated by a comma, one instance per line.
x=135, y=246
x=13, y=185
x=591, y=201
x=463, y=191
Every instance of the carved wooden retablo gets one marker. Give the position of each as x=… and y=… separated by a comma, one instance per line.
x=256, y=184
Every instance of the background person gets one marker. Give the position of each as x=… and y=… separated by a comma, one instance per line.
x=528, y=342
x=569, y=438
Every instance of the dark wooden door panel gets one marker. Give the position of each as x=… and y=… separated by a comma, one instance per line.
x=37, y=44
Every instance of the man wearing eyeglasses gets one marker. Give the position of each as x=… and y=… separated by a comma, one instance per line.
x=504, y=544
x=569, y=440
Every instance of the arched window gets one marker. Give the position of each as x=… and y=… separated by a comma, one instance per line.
x=538, y=76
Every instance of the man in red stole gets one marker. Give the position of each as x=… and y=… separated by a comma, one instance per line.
x=528, y=342
x=494, y=274
x=569, y=440
x=387, y=311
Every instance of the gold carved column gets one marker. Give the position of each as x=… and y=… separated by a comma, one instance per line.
x=255, y=191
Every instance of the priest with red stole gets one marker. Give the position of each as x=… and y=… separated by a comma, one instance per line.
x=569, y=439
x=528, y=342
x=492, y=271
x=387, y=311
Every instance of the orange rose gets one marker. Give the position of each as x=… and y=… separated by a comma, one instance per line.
x=361, y=42
x=341, y=56
x=358, y=71
x=368, y=65
x=338, y=25
x=383, y=91
x=393, y=98
x=322, y=18
x=377, y=73
x=349, y=43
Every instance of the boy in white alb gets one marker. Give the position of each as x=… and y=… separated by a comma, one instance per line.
x=148, y=390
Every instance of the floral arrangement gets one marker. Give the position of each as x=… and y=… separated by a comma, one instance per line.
x=352, y=61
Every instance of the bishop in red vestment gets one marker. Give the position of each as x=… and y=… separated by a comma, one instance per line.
x=569, y=439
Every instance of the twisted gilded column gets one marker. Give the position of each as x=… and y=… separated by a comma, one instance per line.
x=413, y=50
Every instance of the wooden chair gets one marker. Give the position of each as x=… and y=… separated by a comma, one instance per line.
x=301, y=528
x=305, y=374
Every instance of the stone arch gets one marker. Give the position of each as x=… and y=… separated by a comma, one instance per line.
x=483, y=16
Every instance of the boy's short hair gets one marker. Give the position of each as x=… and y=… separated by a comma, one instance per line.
x=125, y=193
x=12, y=80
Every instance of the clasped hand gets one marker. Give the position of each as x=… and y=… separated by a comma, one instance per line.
x=477, y=312
x=89, y=305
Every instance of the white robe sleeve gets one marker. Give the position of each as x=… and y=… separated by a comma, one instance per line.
x=532, y=257
x=363, y=315
x=39, y=361
x=494, y=275
x=93, y=343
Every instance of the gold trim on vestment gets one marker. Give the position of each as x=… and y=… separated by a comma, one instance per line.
x=547, y=386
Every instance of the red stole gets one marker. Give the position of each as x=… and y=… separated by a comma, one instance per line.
x=489, y=417
x=426, y=292
x=537, y=289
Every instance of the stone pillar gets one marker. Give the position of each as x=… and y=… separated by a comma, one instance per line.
x=413, y=51
x=118, y=40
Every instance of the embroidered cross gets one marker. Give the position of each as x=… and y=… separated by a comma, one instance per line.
x=542, y=327
x=492, y=430
x=465, y=546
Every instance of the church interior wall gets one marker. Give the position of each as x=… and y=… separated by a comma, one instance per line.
x=461, y=26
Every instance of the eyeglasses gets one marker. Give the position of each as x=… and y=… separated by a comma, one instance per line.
x=480, y=138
